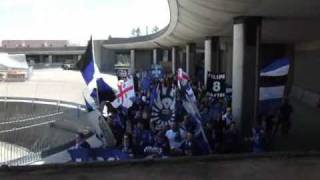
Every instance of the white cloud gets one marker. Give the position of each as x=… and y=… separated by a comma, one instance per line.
x=77, y=19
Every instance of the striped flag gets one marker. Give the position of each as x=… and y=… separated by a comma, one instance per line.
x=273, y=80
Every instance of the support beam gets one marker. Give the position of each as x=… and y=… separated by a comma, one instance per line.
x=41, y=59
x=212, y=61
x=132, y=61
x=181, y=64
x=165, y=56
x=173, y=59
x=190, y=59
x=207, y=58
x=154, y=56
x=50, y=59
x=245, y=77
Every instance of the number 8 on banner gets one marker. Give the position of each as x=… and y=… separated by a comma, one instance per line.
x=216, y=86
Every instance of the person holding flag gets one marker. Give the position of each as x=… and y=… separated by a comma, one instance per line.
x=189, y=103
x=98, y=91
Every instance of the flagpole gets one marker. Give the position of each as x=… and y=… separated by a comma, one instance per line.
x=98, y=71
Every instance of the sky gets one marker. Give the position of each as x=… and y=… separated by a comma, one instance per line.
x=76, y=20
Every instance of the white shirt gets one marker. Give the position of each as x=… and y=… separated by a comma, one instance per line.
x=171, y=135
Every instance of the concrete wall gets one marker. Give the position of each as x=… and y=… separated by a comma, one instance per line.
x=108, y=59
x=307, y=66
x=306, y=86
x=143, y=59
x=264, y=167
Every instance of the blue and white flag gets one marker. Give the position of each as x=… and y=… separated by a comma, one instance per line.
x=273, y=80
x=157, y=71
x=190, y=106
x=98, y=88
x=89, y=101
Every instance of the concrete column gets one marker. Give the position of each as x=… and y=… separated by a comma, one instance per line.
x=50, y=59
x=75, y=58
x=207, y=58
x=212, y=60
x=165, y=56
x=173, y=60
x=181, y=64
x=41, y=58
x=154, y=56
x=245, y=77
x=190, y=59
x=132, y=61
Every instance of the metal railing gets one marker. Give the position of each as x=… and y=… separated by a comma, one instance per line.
x=23, y=138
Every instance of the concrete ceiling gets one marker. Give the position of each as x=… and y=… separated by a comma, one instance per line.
x=284, y=21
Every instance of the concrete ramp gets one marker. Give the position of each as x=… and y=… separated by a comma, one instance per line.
x=247, y=167
x=10, y=152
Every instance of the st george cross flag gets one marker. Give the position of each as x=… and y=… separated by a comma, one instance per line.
x=182, y=78
x=126, y=94
x=273, y=79
x=98, y=89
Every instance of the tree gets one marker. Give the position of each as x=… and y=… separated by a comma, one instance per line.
x=138, y=32
x=133, y=32
x=155, y=29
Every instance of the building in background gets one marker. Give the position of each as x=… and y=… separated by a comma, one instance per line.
x=14, y=67
x=44, y=53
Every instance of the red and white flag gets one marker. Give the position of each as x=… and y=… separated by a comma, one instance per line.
x=125, y=94
x=182, y=77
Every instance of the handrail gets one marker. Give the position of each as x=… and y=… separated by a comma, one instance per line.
x=31, y=157
x=31, y=119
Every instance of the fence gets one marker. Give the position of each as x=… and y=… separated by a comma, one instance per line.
x=26, y=127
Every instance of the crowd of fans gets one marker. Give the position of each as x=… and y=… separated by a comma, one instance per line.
x=136, y=134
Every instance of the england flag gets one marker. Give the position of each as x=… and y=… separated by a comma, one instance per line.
x=182, y=78
x=125, y=94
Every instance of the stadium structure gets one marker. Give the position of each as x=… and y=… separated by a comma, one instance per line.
x=235, y=37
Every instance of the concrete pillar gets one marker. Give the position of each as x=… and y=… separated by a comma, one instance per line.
x=173, y=59
x=50, y=59
x=75, y=58
x=41, y=58
x=212, y=59
x=207, y=58
x=181, y=64
x=132, y=60
x=154, y=56
x=245, y=77
x=190, y=59
x=165, y=56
